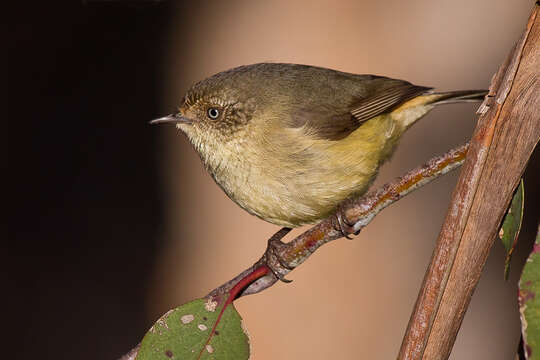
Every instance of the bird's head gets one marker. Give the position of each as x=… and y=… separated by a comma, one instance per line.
x=214, y=110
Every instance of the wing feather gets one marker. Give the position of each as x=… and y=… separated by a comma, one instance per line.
x=334, y=122
x=384, y=101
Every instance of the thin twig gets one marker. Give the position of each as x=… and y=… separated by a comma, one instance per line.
x=358, y=212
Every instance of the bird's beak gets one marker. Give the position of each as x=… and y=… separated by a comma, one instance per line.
x=171, y=119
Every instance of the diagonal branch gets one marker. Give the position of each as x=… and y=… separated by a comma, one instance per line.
x=286, y=256
x=507, y=133
x=358, y=212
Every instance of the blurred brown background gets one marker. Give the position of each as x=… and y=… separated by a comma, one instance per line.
x=351, y=299
x=115, y=222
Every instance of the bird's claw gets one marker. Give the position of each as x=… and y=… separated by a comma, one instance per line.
x=344, y=227
x=275, y=262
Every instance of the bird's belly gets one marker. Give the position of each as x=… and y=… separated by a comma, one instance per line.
x=306, y=182
x=292, y=197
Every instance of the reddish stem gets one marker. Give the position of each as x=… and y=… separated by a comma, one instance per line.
x=253, y=276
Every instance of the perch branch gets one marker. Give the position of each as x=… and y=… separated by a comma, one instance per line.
x=506, y=134
x=358, y=212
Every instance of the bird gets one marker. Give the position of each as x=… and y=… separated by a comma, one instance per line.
x=289, y=142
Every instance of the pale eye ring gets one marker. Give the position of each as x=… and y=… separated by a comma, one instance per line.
x=213, y=113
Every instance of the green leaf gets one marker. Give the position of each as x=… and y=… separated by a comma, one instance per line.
x=187, y=332
x=509, y=231
x=529, y=303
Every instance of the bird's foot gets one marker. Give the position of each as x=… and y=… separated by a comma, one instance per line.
x=274, y=258
x=345, y=228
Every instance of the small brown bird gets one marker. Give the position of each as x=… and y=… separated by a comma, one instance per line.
x=289, y=142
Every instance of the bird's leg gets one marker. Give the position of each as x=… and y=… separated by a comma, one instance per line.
x=274, y=259
x=345, y=228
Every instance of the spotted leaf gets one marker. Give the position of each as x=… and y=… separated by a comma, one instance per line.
x=196, y=330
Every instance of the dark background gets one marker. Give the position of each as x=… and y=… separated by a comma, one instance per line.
x=83, y=80
x=84, y=197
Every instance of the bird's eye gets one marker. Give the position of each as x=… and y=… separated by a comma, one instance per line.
x=213, y=113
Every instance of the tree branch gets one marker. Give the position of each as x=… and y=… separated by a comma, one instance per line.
x=504, y=139
x=358, y=212
x=284, y=257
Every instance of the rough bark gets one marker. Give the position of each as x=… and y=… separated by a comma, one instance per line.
x=504, y=139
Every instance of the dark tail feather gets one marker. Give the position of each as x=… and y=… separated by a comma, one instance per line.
x=460, y=96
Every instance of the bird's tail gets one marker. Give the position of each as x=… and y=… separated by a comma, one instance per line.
x=459, y=96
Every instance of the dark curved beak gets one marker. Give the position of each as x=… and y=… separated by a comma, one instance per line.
x=171, y=119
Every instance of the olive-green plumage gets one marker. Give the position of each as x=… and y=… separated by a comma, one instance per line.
x=289, y=142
